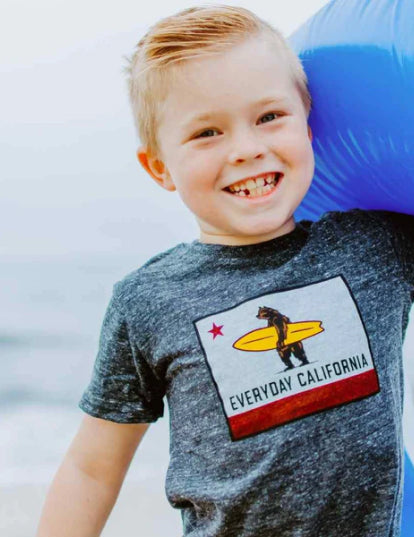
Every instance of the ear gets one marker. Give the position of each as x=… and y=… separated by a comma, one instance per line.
x=156, y=169
x=310, y=133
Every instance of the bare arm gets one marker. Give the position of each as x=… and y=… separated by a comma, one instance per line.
x=89, y=479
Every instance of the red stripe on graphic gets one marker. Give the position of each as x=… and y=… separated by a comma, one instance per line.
x=304, y=403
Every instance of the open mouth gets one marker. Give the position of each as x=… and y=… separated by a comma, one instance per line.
x=257, y=187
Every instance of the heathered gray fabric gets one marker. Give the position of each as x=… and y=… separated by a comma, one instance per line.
x=334, y=472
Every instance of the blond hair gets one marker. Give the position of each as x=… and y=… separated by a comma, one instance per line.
x=192, y=33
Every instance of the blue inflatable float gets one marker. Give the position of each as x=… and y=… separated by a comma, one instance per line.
x=359, y=58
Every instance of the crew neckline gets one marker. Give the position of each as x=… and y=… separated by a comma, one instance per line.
x=298, y=235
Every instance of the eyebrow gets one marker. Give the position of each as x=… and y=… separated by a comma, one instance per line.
x=209, y=115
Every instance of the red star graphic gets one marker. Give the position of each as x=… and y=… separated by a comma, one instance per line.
x=216, y=330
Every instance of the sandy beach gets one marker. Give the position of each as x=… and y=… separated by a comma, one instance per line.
x=139, y=511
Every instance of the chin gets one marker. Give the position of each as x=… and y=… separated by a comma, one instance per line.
x=269, y=228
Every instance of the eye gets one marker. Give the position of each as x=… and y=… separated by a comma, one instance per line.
x=271, y=115
x=205, y=134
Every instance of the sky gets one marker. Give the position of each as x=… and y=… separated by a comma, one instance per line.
x=70, y=182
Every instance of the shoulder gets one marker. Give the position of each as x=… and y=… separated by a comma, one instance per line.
x=342, y=226
x=361, y=232
x=147, y=281
x=363, y=220
x=350, y=217
x=351, y=231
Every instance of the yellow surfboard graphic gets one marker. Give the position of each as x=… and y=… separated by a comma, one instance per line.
x=266, y=338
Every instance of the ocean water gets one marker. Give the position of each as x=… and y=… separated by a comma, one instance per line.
x=50, y=319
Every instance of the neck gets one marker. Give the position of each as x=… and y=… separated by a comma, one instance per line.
x=238, y=240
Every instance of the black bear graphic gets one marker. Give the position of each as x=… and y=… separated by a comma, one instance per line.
x=279, y=321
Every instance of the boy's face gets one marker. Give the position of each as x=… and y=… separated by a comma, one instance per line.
x=242, y=138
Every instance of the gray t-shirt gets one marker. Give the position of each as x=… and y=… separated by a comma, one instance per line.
x=281, y=363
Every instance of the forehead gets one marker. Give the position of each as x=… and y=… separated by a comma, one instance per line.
x=246, y=74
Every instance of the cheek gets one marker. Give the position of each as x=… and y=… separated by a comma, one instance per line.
x=308, y=155
x=200, y=167
x=296, y=149
x=190, y=179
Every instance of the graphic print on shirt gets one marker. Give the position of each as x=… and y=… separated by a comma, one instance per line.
x=281, y=356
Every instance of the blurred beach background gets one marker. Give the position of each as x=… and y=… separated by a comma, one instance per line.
x=77, y=214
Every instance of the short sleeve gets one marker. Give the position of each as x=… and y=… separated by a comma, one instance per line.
x=123, y=387
x=401, y=229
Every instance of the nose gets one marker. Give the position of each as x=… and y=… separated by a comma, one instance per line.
x=246, y=146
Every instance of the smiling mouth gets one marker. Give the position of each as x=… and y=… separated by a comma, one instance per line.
x=256, y=188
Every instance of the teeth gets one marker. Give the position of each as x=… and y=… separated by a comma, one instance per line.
x=256, y=187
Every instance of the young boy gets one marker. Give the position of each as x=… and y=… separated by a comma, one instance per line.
x=278, y=345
